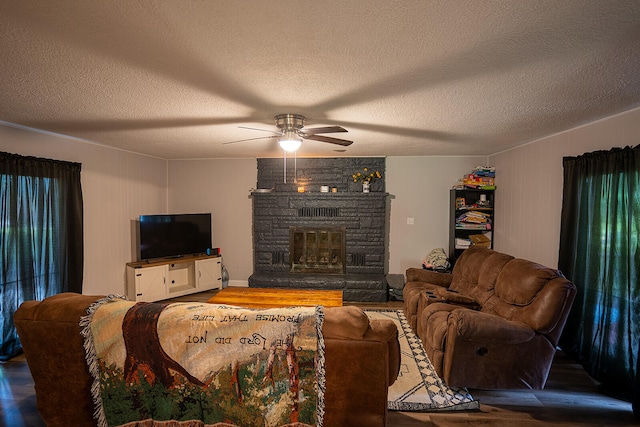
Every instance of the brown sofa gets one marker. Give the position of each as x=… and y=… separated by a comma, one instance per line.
x=362, y=361
x=493, y=323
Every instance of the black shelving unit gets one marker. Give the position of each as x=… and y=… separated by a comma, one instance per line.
x=470, y=202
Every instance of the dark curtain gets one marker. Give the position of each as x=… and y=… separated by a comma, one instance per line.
x=41, y=244
x=599, y=253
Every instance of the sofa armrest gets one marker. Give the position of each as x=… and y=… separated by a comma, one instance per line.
x=428, y=276
x=450, y=296
x=386, y=331
x=351, y=323
x=358, y=375
x=49, y=331
x=488, y=328
x=348, y=322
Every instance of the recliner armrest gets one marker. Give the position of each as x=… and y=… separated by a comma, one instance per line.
x=428, y=276
x=488, y=328
x=450, y=296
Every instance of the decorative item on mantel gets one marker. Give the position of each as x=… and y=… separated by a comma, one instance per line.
x=366, y=177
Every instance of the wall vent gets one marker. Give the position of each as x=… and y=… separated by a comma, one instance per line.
x=318, y=212
x=359, y=259
x=277, y=258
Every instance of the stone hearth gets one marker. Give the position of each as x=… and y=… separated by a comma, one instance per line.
x=361, y=217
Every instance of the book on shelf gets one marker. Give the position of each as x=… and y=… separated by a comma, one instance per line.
x=462, y=243
x=473, y=226
x=489, y=171
x=473, y=217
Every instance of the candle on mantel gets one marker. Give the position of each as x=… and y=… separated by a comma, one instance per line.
x=300, y=189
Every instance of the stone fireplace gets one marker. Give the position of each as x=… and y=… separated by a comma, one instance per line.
x=316, y=240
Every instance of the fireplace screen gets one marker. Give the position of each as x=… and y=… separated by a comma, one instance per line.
x=317, y=250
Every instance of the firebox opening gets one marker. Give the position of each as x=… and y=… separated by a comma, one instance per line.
x=317, y=250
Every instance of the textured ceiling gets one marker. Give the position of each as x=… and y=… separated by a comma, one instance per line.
x=176, y=79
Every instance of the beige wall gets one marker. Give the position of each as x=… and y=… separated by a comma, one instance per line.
x=529, y=180
x=117, y=186
x=219, y=186
x=419, y=188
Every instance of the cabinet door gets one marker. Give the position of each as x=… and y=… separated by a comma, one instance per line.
x=209, y=274
x=151, y=283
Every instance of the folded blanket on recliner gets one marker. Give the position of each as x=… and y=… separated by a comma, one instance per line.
x=204, y=364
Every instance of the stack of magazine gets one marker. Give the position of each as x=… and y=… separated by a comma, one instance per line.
x=473, y=220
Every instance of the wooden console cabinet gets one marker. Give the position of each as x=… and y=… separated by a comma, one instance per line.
x=162, y=279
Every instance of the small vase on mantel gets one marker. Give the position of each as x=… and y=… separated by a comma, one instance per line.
x=365, y=186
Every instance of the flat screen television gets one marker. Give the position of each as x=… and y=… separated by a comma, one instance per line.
x=166, y=236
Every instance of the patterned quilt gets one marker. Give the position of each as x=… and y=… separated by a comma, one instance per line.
x=198, y=364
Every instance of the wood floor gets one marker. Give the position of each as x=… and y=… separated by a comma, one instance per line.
x=570, y=399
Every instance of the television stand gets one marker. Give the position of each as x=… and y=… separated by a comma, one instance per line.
x=155, y=280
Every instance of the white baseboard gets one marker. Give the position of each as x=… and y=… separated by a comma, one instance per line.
x=238, y=283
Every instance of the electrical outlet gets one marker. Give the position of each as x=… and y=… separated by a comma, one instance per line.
x=409, y=221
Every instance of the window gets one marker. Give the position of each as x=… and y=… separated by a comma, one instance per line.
x=41, y=249
x=599, y=253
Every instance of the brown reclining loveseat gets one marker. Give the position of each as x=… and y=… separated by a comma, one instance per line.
x=362, y=361
x=493, y=323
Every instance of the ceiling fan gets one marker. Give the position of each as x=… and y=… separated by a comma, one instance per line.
x=291, y=132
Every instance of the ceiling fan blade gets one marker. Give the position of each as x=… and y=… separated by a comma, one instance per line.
x=250, y=139
x=261, y=130
x=330, y=140
x=327, y=129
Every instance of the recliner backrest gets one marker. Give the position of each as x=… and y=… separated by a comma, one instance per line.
x=476, y=271
x=533, y=294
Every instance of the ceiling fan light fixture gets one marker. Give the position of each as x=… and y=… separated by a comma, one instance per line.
x=290, y=141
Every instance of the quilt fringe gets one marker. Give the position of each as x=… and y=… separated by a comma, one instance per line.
x=91, y=357
x=321, y=367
